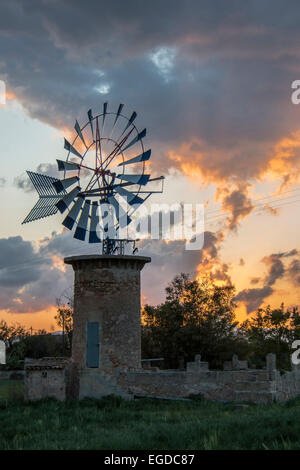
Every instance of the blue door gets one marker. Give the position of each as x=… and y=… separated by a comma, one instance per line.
x=92, y=345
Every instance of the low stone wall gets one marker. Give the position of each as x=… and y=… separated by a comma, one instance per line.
x=58, y=377
x=252, y=385
x=12, y=374
x=288, y=384
x=236, y=383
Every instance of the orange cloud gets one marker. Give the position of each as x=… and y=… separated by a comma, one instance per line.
x=10, y=95
x=236, y=202
x=58, y=263
x=197, y=162
x=285, y=159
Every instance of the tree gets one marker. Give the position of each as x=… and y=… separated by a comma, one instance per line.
x=272, y=330
x=10, y=334
x=43, y=345
x=64, y=319
x=197, y=317
x=64, y=316
x=13, y=337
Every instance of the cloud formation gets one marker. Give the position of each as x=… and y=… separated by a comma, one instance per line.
x=29, y=280
x=211, y=83
x=277, y=269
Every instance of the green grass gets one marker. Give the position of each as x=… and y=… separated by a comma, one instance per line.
x=12, y=390
x=114, y=424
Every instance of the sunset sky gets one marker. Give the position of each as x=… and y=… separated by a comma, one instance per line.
x=211, y=82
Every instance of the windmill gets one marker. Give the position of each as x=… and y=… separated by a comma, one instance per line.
x=103, y=180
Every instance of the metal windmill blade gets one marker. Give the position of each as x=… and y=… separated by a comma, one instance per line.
x=135, y=179
x=121, y=106
x=140, y=136
x=104, y=113
x=121, y=215
x=140, y=158
x=93, y=236
x=72, y=149
x=67, y=166
x=79, y=133
x=70, y=220
x=90, y=116
x=65, y=202
x=61, y=185
x=130, y=197
x=131, y=119
x=82, y=224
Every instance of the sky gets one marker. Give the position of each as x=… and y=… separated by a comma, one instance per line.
x=211, y=82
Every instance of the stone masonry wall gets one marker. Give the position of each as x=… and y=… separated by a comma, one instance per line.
x=238, y=384
x=56, y=379
x=234, y=385
x=48, y=377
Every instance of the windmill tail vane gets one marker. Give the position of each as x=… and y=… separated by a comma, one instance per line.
x=109, y=173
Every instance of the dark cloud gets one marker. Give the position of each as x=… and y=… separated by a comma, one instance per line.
x=29, y=280
x=293, y=271
x=253, y=298
x=171, y=258
x=237, y=202
x=215, y=75
x=63, y=244
x=276, y=267
x=15, y=252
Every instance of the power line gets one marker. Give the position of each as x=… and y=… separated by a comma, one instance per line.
x=275, y=198
x=259, y=206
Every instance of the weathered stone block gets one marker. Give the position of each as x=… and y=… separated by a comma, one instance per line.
x=47, y=377
x=271, y=362
x=194, y=367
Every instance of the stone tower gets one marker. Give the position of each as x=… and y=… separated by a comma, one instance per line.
x=107, y=318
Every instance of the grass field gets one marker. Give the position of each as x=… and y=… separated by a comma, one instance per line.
x=113, y=424
x=12, y=390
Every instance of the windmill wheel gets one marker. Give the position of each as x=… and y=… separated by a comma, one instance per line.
x=105, y=165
